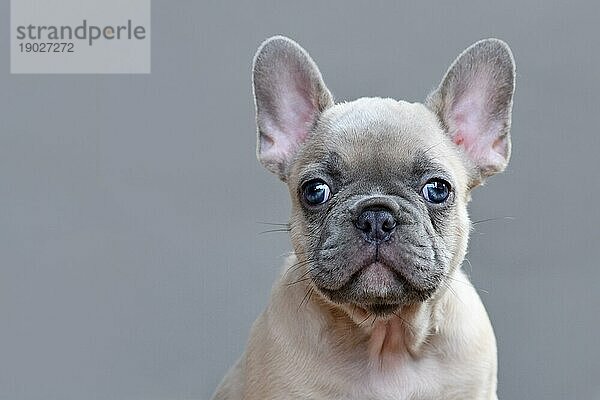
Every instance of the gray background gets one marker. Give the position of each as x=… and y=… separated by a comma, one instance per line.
x=131, y=264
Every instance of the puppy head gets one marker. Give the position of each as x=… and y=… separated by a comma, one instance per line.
x=380, y=187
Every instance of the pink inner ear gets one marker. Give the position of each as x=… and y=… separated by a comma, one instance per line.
x=291, y=124
x=296, y=110
x=475, y=130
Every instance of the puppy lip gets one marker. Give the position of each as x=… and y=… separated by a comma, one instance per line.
x=379, y=269
x=378, y=272
x=370, y=299
x=379, y=278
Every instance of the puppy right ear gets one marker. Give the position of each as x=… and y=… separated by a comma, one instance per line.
x=289, y=94
x=474, y=104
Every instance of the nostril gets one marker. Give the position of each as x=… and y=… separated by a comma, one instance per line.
x=363, y=223
x=389, y=224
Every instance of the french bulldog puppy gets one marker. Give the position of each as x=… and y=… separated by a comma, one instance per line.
x=372, y=303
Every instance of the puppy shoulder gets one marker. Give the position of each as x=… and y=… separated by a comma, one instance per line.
x=465, y=323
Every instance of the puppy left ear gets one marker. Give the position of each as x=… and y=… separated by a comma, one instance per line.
x=474, y=104
x=290, y=95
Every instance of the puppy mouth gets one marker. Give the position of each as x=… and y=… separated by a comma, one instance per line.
x=376, y=288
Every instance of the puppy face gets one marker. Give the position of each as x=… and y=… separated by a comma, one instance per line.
x=379, y=204
x=379, y=187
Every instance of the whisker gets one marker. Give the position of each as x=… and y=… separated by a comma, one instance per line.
x=306, y=298
x=468, y=283
x=470, y=265
x=505, y=218
x=374, y=319
x=364, y=320
x=298, y=281
x=431, y=147
x=301, y=277
x=274, y=230
x=408, y=325
x=452, y=291
x=298, y=265
x=272, y=223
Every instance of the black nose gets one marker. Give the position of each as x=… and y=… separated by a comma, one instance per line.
x=376, y=225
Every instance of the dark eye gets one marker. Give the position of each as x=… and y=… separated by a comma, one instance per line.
x=436, y=191
x=316, y=192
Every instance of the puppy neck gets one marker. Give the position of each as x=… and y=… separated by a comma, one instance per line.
x=385, y=340
x=402, y=334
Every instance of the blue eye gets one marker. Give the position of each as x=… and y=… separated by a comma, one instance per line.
x=316, y=192
x=436, y=191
